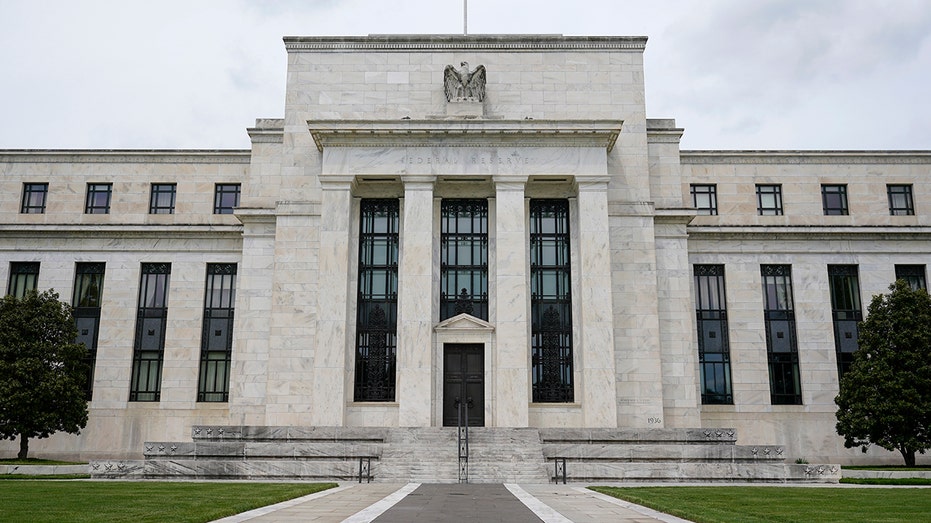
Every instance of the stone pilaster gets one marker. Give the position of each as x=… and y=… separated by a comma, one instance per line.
x=415, y=301
x=331, y=355
x=249, y=379
x=637, y=349
x=595, y=353
x=677, y=320
x=511, y=358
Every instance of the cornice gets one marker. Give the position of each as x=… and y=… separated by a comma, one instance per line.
x=266, y=135
x=809, y=233
x=428, y=43
x=98, y=231
x=207, y=156
x=790, y=157
x=464, y=133
x=664, y=135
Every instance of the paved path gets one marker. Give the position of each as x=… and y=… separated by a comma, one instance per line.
x=429, y=503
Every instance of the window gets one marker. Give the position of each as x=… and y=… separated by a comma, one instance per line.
x=900, y=200
x=216, y=340
x=226, y=198
x=88, y=291
x=913, y=274
x=845, y=313
x=834, y=200
x=769, y=200
x=705, y=199
x=162, y=199
x=714, y=358
x=24, y=277
x=149, y=343
x=464, y=258
x=377, y=301
x=34, y=195
x=550, y=302
x=781, y=341
x=98, y=198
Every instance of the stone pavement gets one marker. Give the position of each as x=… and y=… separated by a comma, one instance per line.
x=427, y=503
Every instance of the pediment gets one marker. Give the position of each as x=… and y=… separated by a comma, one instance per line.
x=464, y=322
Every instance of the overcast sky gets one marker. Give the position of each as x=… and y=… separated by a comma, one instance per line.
x=736, y=74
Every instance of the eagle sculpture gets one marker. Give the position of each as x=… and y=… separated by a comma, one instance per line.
x=463, y=85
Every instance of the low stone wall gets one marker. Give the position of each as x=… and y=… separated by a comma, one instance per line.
x=886, y=474
x=44, y=470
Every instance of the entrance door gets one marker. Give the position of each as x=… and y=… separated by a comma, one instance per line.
x=463, y=381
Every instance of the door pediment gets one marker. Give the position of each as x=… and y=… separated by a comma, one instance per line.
x=463, y=323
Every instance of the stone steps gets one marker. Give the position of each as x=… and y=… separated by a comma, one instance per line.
x=496, y=455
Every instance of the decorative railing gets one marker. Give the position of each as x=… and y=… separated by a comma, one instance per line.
x=463, y=439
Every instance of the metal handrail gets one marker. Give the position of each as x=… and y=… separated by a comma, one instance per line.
x=365, y=469
x=463, y=438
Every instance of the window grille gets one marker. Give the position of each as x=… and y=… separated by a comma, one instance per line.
x=550, y=302
x=377, y=301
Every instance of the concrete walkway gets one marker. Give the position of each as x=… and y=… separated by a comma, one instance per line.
x=428, y=503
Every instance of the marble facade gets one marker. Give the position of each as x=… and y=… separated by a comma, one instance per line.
x=367, y=117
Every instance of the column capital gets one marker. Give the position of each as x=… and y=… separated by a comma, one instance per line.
x=510, y=182
x=592, y=183
x=337, y=182
x=418, y=182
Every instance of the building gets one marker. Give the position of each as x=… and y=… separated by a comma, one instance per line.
x=512, y=234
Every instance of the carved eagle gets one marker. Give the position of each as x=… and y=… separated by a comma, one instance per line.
x=464, y=84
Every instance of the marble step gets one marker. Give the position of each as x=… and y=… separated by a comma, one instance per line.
x=663, y=452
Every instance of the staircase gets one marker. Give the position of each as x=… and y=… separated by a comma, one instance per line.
x=505, y=455
x=421, y=455
x=496, y=455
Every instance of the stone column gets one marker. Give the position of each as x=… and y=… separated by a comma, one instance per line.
x=330, y=364
x=415, y=304
x=511, y=355
x=596, y=351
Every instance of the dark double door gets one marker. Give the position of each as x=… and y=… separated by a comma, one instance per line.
x=464, y=383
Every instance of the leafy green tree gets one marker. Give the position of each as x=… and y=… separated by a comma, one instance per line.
x=42, y=369
x=885, y=397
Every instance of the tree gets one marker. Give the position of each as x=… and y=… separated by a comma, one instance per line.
x=885, y=397
x=42, y=369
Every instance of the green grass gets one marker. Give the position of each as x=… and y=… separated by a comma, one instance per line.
x=44, y=476
x=35, y=461
x=139, y=501
x=887, y=467
x=784, y=504
x=886, y=481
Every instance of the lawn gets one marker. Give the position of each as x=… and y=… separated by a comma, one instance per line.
x=772, y=504
x=139, y=501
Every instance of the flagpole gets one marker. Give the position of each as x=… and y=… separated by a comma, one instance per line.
x=465, y=17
